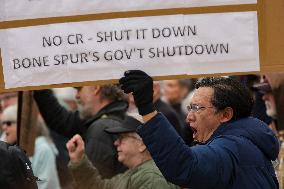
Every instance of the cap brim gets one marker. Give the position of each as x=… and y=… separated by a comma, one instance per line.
x=262, y=87
x=118, y=130
x=129, y=124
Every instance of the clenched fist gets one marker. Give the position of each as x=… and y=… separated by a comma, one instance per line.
x=76, y=148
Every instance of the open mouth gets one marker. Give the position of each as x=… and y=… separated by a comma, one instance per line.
x=194, y=132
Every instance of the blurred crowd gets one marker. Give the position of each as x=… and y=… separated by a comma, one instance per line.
x=91, y=110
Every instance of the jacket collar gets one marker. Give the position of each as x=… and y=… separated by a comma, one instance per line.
x=117, y=107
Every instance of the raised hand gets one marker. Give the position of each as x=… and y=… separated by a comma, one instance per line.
x=76, y=148
x=140, y=85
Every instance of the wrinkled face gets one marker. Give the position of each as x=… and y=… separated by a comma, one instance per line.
x=127, y=146
x=270, y=104
x=204, y=119
x=173, y=91
x=10, y=130
x=86, y=101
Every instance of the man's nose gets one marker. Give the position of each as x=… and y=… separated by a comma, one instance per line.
x=77, y=96
x=116, y=142
x=189, y=117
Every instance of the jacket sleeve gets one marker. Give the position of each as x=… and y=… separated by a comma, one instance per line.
x=64, y=122
x=86, y=176
x=197, y=167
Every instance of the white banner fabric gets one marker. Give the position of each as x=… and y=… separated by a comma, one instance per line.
x=104, y=49
x=30, y=9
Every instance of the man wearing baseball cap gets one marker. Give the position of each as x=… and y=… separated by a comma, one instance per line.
x=264, y=87
x=132, y=152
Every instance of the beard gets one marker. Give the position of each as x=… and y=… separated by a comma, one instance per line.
x=270, y=110
x=84, y=112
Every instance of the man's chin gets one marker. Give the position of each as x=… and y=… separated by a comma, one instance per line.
x=84, y=115
x=120, y=160
x=196, y=142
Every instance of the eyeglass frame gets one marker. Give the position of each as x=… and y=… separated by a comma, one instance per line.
x=121, y=137
x=196, y=107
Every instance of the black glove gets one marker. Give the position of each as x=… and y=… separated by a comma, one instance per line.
x=141, y=86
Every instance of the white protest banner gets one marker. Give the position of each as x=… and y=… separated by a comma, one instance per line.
x=104, y=49
x=30, y=9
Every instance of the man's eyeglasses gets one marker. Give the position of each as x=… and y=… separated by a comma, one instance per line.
x=196, y=107
x=8, y=123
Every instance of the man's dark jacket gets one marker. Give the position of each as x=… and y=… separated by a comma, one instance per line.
x=99, y=144
x=170, y=114
x=237, y=156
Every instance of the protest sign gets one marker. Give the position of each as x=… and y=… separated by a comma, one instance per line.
x=203, y=37
x=160, y=45
x=30, y=9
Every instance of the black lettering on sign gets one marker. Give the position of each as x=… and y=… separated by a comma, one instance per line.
x=75, y=39
x=181, y=50
x=30, y=62
x=114, y=36
x=52, y=41
x=174, y=31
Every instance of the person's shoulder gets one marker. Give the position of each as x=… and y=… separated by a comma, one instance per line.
x=148, y=170
x=42, y=143
x=96, y=130
x=102, y=123
x=149, y=177
x=106, y=120
x=44, y=151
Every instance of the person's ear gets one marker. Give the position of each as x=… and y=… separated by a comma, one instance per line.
x=226, y=115
x=142, y=147
x=97, y=89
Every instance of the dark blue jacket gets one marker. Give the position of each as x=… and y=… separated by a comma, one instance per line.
x=237, y=156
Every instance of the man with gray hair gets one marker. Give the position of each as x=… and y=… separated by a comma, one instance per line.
x=132, y=152
x=100, y=107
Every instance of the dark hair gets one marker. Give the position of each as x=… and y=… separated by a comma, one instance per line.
x=229, y=92
x=113, y=93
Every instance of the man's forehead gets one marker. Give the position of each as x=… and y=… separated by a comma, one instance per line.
x=203, y=94
x=171, y=82
x=127, y=134
x=84, y=87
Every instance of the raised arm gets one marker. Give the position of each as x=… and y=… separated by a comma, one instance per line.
x=58, y=118
x=180, y=164
x=85, y=174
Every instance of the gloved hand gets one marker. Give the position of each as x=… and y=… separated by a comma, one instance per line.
x=141, y=86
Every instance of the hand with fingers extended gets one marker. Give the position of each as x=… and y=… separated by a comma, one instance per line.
x=76, y=148
x=140, y=85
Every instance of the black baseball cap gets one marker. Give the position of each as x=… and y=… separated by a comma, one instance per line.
x=129, y=124
x=263, y=86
